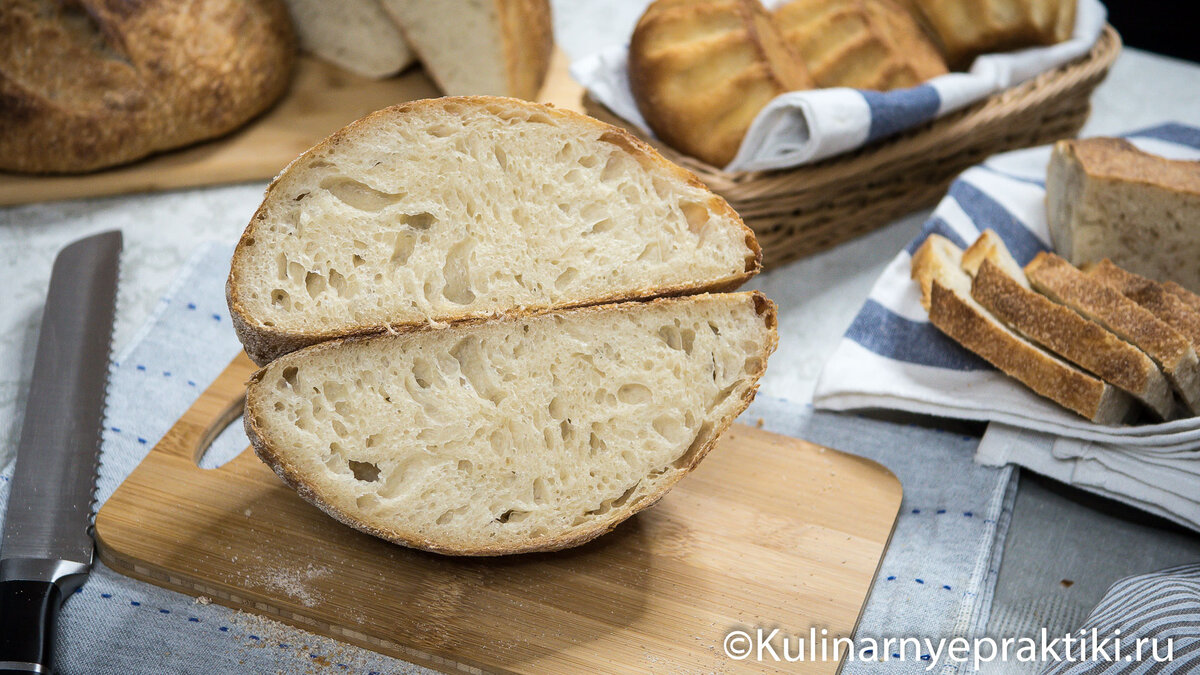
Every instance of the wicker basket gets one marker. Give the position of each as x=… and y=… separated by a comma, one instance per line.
x=799, y=212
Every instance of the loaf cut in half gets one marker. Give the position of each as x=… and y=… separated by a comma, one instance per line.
x=356, y=35
x=89, y=84
x=967, y=28
x=864, y=44
x=1105, y=198
x=518, y=434
x=480, y=47
x=946, y=295
x=1064, y=283
x=448, y=209
x=701, y=70
x=1000, y=285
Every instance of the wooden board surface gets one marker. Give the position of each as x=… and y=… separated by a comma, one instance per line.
x=768, y=531
x=322, y=99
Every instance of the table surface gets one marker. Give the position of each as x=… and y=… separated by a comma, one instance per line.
x=817, y=297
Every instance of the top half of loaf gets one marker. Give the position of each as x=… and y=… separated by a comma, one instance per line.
x=455, y=208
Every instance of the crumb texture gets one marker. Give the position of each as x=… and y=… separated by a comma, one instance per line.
x=515, y=434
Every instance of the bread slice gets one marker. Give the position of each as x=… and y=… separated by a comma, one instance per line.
x=447, y=209
x=1107, y=199
x=1000, y=286
x=946, y=294
x=1063, y=283
x=1189, y=298
x=519, y=434
x=1168, y=307
x=480, y=47
x=356, y=35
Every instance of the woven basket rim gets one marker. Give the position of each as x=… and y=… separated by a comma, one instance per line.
x=1036, y=90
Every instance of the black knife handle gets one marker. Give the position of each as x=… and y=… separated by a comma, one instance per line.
x=28, y=614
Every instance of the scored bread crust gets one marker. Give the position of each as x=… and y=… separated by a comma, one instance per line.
x=90, y=84
x=265, y=343
x=311, y=492
x=708, y=117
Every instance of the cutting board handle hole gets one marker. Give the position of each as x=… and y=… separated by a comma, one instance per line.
x=224, y=439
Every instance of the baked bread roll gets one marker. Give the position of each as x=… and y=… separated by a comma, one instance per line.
x=89, y=84
x=356, y=35
x=485, y=47
x=1107, y=199
x=701, y=70
x=864, y=44
x=450, y=209
x=967, y=28
x=519, y=434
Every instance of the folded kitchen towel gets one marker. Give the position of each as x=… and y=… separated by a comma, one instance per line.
x=1162, y=609
x=892, y=357
x=940, y=567
x=805, y=126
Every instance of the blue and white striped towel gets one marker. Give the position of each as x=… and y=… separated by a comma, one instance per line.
x=892, y=357
x=805, y=126
x=1163, y=607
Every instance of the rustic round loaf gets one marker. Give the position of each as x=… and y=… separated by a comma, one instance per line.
x=864, y=44
x=968, y=28
x=94, y=83
x=701, y=70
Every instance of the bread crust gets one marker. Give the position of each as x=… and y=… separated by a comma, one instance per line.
x=1073, y=337
x=266, y=343
x=1116, y=159
x=704, y=118
x=311, y=493
x=528, y=44
x=968, y=28
x=1189, y=298
x=1165, y=305
x=94, y=83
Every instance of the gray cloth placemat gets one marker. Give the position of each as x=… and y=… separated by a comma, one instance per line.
x=936, y=579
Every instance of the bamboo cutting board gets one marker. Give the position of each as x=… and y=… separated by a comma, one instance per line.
x=321, y=99
x=769, y=531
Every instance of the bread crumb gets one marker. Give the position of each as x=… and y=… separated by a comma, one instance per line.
x=758, y=424
x=203, y=600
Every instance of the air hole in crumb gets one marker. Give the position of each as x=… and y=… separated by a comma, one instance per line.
x=314, y=283
x=633, y=394
x=289, y=376
x=418, y=221
x=359, y=195
x=696, y=215
x=364, y=471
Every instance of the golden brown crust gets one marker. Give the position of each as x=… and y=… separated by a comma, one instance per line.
x=1116, y=159
x=312, y=493
x=528, y=44
x=701, y=70
x=1165, y=305
x=864, y=44
x=1063, y=283
x=967, y=28
x=1036, y=369
x=1073, y=337
x=265, y=343
x=1189, y=298
x=94, y=83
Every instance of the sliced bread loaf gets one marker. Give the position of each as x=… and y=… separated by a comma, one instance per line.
x=946, y=293
x=1000, y=286
x=1105, y=198
x=447, y=209
x=480, y=47
x=357, y=35
x=1063, y=283
x=1168, y=307
x=524, y=433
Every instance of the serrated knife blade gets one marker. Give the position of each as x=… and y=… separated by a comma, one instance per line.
x=46, y=550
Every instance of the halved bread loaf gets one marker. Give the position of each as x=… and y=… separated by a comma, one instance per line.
x=865, y=44
x=447, y=209
x=356, y=35
x=1105, y=198
x=1063, y=283
x=946, y=294
x=480, y=47
x=701, y=70
x=1167, y=306
x=1000, y=286
x=524, y=433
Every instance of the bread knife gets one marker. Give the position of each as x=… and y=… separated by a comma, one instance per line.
x=46, y=550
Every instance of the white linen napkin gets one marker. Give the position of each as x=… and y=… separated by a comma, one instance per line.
x=801, y=127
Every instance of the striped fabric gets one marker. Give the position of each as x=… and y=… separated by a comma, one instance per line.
x=1163, y=607
x=806, y=126
x=892, y=357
